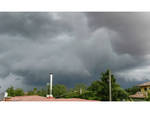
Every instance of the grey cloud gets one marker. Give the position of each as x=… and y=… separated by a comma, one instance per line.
x=76, y=47
x=31, y=25
x=132, y=29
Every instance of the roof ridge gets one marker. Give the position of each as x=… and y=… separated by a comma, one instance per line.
x=144, y=84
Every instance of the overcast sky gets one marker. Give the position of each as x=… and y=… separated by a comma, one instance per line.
x=76, y=47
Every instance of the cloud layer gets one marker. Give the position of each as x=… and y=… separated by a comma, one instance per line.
x=76, y=47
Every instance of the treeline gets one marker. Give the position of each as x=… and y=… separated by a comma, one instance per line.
x=98, y=90
x=15, y=92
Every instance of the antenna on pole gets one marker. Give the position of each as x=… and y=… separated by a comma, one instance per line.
x=110, y=96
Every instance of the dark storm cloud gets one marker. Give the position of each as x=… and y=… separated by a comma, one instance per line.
x=132, y=29
x=31, y=25
x=76, y=47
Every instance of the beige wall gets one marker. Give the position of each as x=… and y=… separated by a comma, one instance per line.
x=145, y=90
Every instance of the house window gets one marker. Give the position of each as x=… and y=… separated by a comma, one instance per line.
x=145, y=89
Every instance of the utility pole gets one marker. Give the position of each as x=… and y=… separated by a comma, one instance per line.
x=80, y=91
x=51, y=84
x=110, y=97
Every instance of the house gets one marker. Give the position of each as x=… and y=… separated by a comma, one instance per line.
x=143, y=93
x=145, y=88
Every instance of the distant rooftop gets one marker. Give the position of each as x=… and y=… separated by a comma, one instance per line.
x=144, y=84
x=137, y=95
x=40, y=98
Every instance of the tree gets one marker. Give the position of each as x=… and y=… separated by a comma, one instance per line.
x=35, y=91
x=132, y=90
x=100, y=88
x=80, y=88
x=59, y=90
x=19, y=92
x=15, y=92
x=70, y=94
x=147, y=98
x=93, y=91
x=119, y=94
x=11, y=91
x=30, y=92
x=42, y=92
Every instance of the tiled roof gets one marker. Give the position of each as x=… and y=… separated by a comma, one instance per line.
x=40, y=98
x=137, y=95
x=144, y=84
